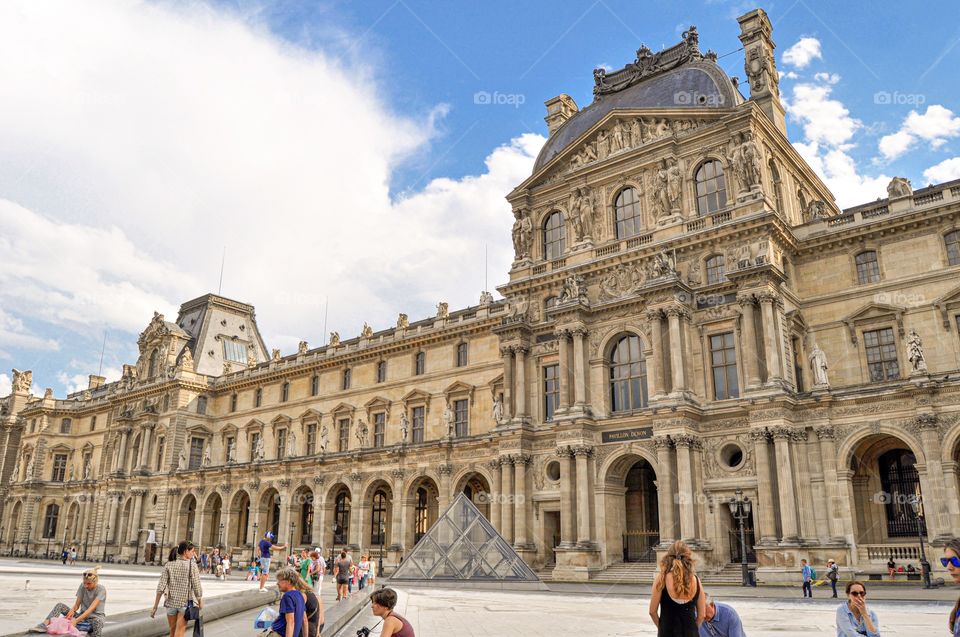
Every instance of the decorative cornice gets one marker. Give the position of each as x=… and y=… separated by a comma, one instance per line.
x=564, y=452
x=825, y=433
x=583, y=450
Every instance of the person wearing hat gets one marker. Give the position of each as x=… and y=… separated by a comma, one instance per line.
x=266, y=546
x=833, y=574
x=720, y=620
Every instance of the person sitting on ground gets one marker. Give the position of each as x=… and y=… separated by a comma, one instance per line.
x=891, y=568
x=90, y=606
x=911, y=568
x=854, y=619
x=382, y=602
x=292, y=605
x=720, y=620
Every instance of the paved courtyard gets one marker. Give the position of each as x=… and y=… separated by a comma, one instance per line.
x=443, y=612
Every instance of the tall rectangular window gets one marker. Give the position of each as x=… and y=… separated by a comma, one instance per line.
x=379, y=429
x=868, y=268
x=315, y=385
x=417, y=422
x=281, y=443
x=419, y=364
x=551, y=390
x=233, y=402
x=284, y=392
x=311, y=439
x=196, y=453
x=461, y=418
x=952, y=240
x=59, y=467
x=93, y=423
x=346, y=378
x=235, y=351
x=65, y=425
x=723, y=361
x=201, y=405
x=382, y=372
x=343, y=431
x=161, y=444
x=881, y=348
x=462, y=355
x=258, y=397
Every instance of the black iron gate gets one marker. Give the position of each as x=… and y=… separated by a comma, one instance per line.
x=736, y=557
x=640, y=546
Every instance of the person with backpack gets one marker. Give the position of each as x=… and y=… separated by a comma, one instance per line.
x=808, y=574
x=833, y=574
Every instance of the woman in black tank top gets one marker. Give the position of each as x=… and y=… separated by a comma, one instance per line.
x=678, y=616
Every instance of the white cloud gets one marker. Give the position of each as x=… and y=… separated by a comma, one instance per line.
x=946, y=170
x=802, y=53
x=13, y=333
x=789, y=75
x=6, y=385
x=824, y=120
x=934, y=127
x=140, y=139
x=829, y=78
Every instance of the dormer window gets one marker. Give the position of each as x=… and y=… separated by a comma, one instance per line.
x=554, y=236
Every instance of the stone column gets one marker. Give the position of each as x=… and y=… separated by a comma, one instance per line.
x=507, y=354
x=506, y=505
x=520, y=463
x=677, y=347
x=109, y=520
x=444, y=500
x=144, y=461
x=319, y=513
x=135, y=509
x=356, y=513
x=567, y=514
x=396, y=514
x=828, y=457
x=788, y=502
x=767, y=531
x=520, y=352
x=583, y=453
x=934, y=504
x=122, y=460
x=253, y=532
x=665, y=493
x=579, y=369
x=564, y=369
x=809, y=529
x=770, y=338
x=497, y=495
x=656, y=360
x=688, y=514
x=750, y=355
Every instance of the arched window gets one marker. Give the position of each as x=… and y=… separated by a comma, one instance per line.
x=50, y=519
x=628, y=375
x=420, y=515
x=152, y=367
x=803, y=202
x=952, y=240
x=378, y=519
x=711, y=188
x=341, y=518
x=627, y=210
x=777, y=186
x=716, y=269
x=554, y=235
x=419, y=364
x=900, y=482
x=868, y=268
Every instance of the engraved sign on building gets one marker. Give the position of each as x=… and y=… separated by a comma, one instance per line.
x=626, y=435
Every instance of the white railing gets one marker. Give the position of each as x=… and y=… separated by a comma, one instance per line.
x=883, y=552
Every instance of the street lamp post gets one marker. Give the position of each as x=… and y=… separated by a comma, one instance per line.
x=47, y=556
x=293, y=525
x=917, y=505
x=740, y=510
x=136, y=548
x=29, y=539
x=220, y=540
x=105, y=536
x=253, y=550
x=336, y=530
x=86, y=541
x=383, y=534
x=163, y=536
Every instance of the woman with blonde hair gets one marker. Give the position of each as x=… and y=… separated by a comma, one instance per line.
x=677, y=602
x=90, y=606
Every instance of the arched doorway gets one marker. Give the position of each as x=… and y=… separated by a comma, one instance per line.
x=13, y=526
x=425, y=499
x=239, y=519
x=631, y=510
x=302, y=514
x=269, y=515
x=378, y=533
x=187, y=518
x=885, y=482
x=477, y=489
x=71, y=534
x=212, y=535
x=339, y=503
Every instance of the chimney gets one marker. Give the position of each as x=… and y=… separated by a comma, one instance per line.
x=760, y=66
x=95, y=381
x=559, y=110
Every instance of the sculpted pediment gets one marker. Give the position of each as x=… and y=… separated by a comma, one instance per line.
x=947, y=302
x=873, y=312
x=343, y=408
x=311, y=415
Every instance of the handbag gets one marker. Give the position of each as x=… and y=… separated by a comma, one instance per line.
x=62, y=626
x=192, y=613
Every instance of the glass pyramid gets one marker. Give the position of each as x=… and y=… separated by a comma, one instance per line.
x=463, y=545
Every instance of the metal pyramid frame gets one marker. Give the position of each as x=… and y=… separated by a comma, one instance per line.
x=463, y=546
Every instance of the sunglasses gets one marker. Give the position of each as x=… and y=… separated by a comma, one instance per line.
x=950, y=560
x=859, y=593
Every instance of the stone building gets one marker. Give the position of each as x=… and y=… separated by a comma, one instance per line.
x=689, y=316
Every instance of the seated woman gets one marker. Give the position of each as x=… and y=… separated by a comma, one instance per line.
x=90, y=606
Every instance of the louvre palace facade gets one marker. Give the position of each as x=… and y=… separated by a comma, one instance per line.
x=688, y=315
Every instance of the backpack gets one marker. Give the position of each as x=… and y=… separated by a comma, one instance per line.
x=813, y=573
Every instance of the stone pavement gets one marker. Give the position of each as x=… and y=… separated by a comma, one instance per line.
x=434, y=613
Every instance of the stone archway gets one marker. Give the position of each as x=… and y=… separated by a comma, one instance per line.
x=476, y=487
x=378, y=500
x=301, y=514
x=237, y=534
x=631, y=503
x=338, y=509
x=268, y=515
x=423, y=508
x=187, y=518
x=13, y=527
x=72, y=531
x=210, y=535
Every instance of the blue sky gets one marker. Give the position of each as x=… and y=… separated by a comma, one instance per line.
x=337, y=152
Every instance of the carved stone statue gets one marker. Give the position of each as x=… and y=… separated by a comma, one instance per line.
x=746, y=162
x=22, y=381
x=517, y=308
x=258, y=449
x=251, y=356
x=232, y=454
x=70, y=474
x=291, y=444
x=403, y=321
x=616, y=138
x=367, y=331
x=186, y=359
x=574, y=289
x=899, y=187
x=324, y=438
x=522, y=233
x=443, y=310
x=207, y=460
x=663, y=265
x=48, y=393
x=585, y=212
x=915, y=353
x=86, y=468
x=674, y=186
x=818, y=365
x=816, y=209
x=276, y=355
x=302, y=348
x=334, y=339
x=182, y=460
x=449, y=419
x=661, y=195
x=486, y=298
x=362, y=431
x=15, y=476
x=497, y=410
x=404, y=426
x=29, y=475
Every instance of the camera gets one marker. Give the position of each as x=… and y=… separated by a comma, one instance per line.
x=363, y=632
